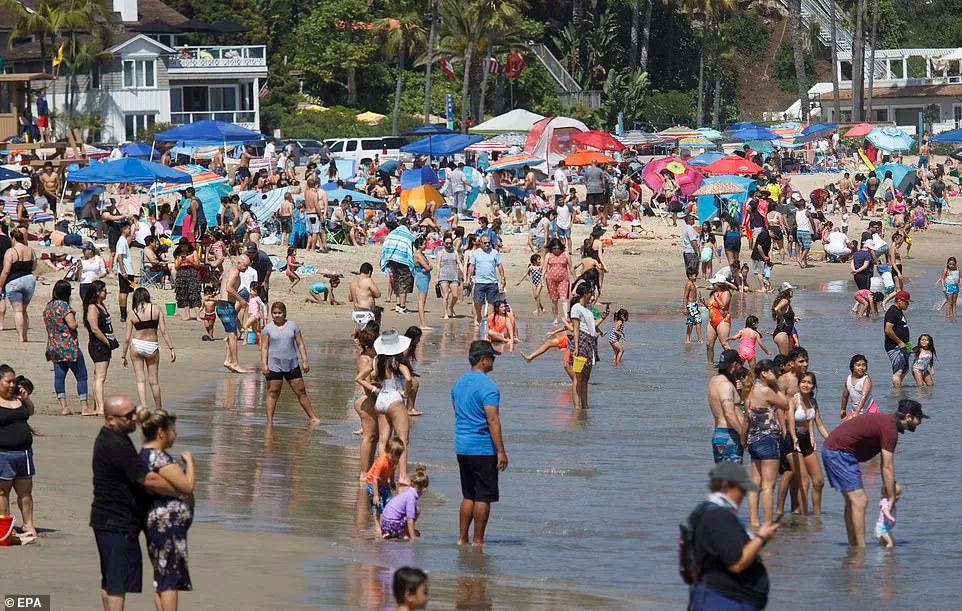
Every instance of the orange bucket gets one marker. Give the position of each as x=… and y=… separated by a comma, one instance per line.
x=6, y=529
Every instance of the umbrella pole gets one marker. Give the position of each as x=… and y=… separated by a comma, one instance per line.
x=153, y=143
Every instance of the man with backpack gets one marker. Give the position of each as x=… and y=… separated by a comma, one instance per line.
x=718, y=557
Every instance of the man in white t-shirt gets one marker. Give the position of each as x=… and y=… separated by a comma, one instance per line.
x=560, y=181
x=124, y=265
x=689, y=244
x=563, y=222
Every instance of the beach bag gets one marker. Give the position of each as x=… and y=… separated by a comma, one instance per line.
x=687, y=565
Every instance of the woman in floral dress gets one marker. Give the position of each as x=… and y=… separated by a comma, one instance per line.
x=168, y=517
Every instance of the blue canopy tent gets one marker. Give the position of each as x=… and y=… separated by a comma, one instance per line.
x=136, y=149
x=10, y=178
x=442, y=145
x=747, y=134
x=951, y=137
x=427, y=129
x=708, y=206
x=209, y=132
x=903, y=177
x=128, y=170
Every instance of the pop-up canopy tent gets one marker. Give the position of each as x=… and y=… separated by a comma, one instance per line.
x=517, y=120
x=441, y=145
x=550, y=139
x=136, y=149
x=209, y=132
x=128, y=170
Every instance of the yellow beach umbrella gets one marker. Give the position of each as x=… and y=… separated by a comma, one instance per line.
x=420, y=197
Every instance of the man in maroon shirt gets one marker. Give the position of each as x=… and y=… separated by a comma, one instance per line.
x=859, y=440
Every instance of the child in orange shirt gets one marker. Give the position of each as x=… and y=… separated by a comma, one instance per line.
x=380, y=479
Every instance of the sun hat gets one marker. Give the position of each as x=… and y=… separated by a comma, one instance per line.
x=390, y=343
x=720, y=278
x=785, y=286
x=796, y=196
x=736, y=474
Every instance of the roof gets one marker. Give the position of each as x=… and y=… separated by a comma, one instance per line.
x=156, y=10
x=919, y=91
x=145, y=38
x=28, y=76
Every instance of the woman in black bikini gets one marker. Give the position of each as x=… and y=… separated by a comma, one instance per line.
x=143, y=327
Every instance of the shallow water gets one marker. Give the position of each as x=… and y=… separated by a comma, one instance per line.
x=591, y=502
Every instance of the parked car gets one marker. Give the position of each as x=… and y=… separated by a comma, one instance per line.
x=364, y=149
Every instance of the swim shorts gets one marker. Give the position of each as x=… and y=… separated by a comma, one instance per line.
x=804, y=238
x=292, y=374
x=900, y=360
x=227, y=315
x=842, y=470
x=362, y=316
x=479, y=477
x=726, y=446
x=384, y=495
x=693, y=315
x=16, y=464
x=394, y=529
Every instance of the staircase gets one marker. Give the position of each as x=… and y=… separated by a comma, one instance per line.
x=819, y=12
x=569, y=91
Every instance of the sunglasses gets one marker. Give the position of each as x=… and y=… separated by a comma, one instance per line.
x=485, y=243
x=128, y=416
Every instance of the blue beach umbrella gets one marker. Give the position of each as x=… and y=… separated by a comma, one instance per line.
x=705, y=158
x=747, y=134
x=952, y=137
x=356, y=196
x=890, y=139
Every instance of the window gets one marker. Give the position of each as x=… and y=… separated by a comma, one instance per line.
x=139, y=73
x=337, y=147
x=350, y=145
x=176, y=99
x=94, y=82
x=394, y=142
x=907, y=116
x=957, y=115
x=223, y=98
x=135, y=124
x=371, y=144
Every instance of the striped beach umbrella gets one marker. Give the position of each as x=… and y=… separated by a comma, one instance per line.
x=679, y=131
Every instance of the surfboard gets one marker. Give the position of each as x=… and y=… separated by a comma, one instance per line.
x=866, y=160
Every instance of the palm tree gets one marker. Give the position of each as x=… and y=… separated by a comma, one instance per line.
x=499, y=18
x=798, y=49
x=871, y=61
x=402, y=35
x=712, y=11
x=858, y=64
x=432, y=42
x=633, y=34
x=460, y=26
x=645, y=37
x=835, y=94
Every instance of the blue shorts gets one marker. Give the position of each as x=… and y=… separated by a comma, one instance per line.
x=228, y=317
x=767, y=448
x=16, y=464
x=804, y=238
x=899, y=359
x=121, y=564
x=842, y=470
x=733, y=243
x=951, y=289
x=20, y=290
x=384, y=495
x=726, y=446
x=703, y=598
x=563, y=234
x=422, y=281
x=486, y=293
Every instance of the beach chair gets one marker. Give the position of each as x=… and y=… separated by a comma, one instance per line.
x=151, y=278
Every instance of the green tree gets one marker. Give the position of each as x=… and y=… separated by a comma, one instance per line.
x=403, y=35
x=798, y=56
x=429, y=62
x=783, y=68
x=333, y=40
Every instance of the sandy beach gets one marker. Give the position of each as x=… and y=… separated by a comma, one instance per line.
x=232, y=569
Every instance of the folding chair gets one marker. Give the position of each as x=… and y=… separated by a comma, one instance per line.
x=151, y=278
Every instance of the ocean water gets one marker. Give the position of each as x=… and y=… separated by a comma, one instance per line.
x=591, y=501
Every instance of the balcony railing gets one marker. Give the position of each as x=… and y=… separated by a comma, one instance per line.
x=239, y=117
x=254, y=56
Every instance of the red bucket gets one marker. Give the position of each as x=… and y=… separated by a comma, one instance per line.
x=6, y=529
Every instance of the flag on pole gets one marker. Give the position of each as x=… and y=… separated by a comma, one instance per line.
x=447, y=68
x=58, y=59
x=263, y=91
x=514, y=65
x=492, y=64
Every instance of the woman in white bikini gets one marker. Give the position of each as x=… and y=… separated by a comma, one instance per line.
x=394, y=377
x=144, y=325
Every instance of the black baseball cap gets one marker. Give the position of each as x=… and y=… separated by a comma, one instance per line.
x=479, y=349
x=730, y=472
x=727, y=358
x=909, y=407
x=251, y=247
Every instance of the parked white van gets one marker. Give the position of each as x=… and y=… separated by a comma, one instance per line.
x=364, y=149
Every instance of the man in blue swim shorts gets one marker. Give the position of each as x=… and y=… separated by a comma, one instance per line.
x=226, y=312
x=859, y=440
x=730, y=426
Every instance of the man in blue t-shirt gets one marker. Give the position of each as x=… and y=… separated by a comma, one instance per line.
x=477, y=440
x=487, y=273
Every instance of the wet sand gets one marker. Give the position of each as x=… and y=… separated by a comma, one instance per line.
x=240, y=557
